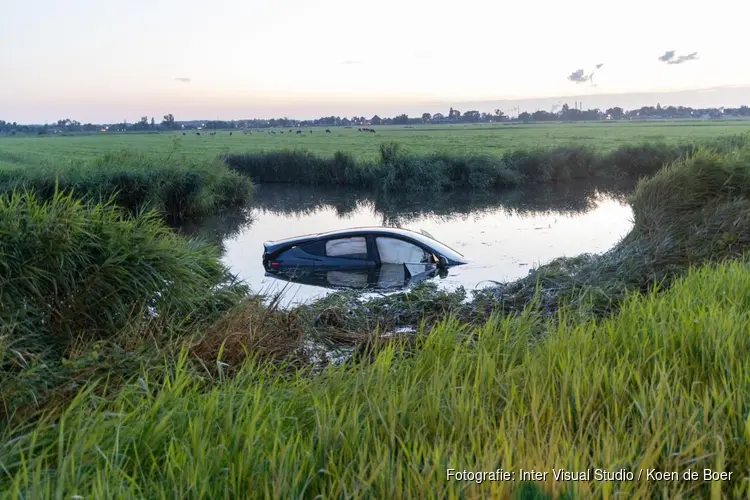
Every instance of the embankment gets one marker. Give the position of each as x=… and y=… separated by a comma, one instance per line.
x=584, y=364
x=399, y=170
x=177, y=187
x=661, y=385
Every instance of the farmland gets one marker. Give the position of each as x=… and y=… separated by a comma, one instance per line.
x=456, y=139
x=632, y=359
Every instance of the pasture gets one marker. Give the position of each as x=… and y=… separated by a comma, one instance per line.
x=455, y=139
x=633, y=359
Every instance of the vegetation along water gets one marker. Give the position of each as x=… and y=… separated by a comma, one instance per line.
x=133, y=364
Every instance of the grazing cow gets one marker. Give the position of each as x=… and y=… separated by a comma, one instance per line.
x=197, y=133
x=290, y=131
x=230, y=133
x=282, y=132
x=372, y=130
x=328, y=131
x=299, y=132
x=183, y=133
x=359, y=130
x=311, y=131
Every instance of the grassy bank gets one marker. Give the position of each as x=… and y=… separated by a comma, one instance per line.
x=175, y=186
x=73, y=274
x=663, y=384
x=400, y=170
x=694, y=211
x=584, y=364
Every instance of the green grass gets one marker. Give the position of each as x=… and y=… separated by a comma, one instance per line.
x=73, y=272
x=399, y=170
x=175, y=185
x=458, y=140
x=693, y=211
x=663, y=384
x=633, y=359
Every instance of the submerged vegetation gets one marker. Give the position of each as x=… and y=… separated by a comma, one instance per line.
x=132, y=365
x=400, y=170
x=177, y=187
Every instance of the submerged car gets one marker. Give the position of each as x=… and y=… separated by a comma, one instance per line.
x=363, y=257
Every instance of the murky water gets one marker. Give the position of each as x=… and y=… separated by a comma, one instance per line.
x=504, y=235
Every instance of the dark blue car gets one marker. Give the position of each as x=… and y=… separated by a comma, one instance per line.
x=372, y=257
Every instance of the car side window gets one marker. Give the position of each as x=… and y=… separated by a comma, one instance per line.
x=347, y=248
x=396, y=251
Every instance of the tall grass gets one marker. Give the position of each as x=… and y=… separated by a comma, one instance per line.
x=634, y=359
x=74, y=272
x=662, y=385
x=177, y=187
x=400, y=170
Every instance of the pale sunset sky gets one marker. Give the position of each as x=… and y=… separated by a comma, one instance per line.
x=104, y=61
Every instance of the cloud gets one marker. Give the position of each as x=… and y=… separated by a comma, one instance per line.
x=347, y=63
x=580, y=76
x=183, y=79
x=669, y=57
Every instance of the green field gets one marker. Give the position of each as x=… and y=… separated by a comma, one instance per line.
x=633, y=359
x=456, y=139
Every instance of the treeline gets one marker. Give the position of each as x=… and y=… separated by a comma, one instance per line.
x=565, y=114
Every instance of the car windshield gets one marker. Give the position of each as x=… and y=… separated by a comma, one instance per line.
x=439, y=247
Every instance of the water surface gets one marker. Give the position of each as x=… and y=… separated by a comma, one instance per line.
x=504, y=235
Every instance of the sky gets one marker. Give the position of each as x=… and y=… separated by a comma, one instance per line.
x=103, y=61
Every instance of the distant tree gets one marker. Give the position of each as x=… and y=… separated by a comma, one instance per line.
x=616, y=113
x=168, y=121
x=401, y=119
x=376, y=120
x=153, y=124
x=472, y=116
x=524, y=117
x=426, y=117
x=438, y=116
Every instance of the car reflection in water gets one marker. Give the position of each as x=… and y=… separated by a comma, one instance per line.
x=388, y=277
x=374, y=258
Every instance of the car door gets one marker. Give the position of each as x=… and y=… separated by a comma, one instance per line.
x=400, y=257
x=350, y=252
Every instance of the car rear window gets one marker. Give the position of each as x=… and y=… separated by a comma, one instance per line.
x=347, y=248
x=317, y=248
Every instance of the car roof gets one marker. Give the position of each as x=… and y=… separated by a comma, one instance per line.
x=273, y=246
